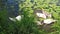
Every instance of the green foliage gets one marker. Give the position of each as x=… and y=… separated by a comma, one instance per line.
x=27, y=24
x=47, y=5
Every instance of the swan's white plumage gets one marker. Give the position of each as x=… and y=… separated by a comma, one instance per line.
x=12, y=19
x=49, y=21
x=16, y=18
x=41, y=15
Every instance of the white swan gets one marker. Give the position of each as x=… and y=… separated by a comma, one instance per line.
x=16, y=18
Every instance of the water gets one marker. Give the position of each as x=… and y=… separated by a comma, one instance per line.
x=12, y=8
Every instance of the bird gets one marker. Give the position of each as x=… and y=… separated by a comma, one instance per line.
x=46, y=24
x=18, y=18
x=48, y=14
x=41, y=15
x=48, y=21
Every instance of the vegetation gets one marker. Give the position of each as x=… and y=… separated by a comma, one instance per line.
x=27, y=24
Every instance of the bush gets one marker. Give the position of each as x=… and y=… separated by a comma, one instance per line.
x=27, y=24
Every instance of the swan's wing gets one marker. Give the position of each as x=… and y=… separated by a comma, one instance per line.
x=49, y=21
x=18, y=18
x=40, y=15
